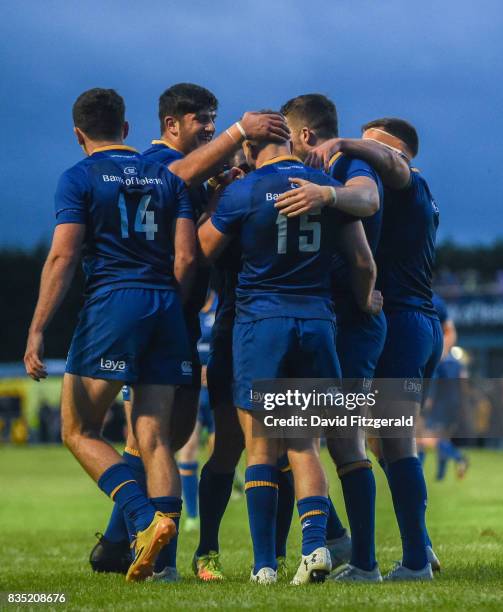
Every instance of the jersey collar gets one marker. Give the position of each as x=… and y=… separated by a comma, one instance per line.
x=166, y=144
x=334, y=158
x=280, y=158
x=115, y=147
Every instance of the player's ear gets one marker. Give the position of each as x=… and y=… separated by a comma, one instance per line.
x=309, y=137
x=171, y=125
x=80, y=136
x=125, y=130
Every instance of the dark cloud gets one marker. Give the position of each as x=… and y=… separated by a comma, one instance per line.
x=437, y=64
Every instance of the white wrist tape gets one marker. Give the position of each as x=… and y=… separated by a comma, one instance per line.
x=241, y=129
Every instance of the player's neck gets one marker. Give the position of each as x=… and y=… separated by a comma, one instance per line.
x=91, y=145
x=173, y=143
x=271, y=151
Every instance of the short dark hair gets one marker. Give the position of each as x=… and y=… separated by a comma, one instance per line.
x=99, y=113
x=399, y=128
x=316, y=111
x=184, y=98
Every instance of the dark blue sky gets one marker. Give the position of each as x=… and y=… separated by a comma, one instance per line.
x=436, y=63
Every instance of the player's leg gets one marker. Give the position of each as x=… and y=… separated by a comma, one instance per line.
x=217, y=475
x=275, y=338
x=163, y=364
x=84, y=403
x=188, y=467
x=411, y=347
x=313, y=356
x=360, y=340
x=286, y=504
x=261, y=488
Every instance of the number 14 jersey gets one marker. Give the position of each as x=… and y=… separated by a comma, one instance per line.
x=286, y=262
x=128, y=205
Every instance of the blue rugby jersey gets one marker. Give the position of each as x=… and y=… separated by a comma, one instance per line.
x=344, y=168
x=406, y=251
x=164, y=153
x=286, y=262
x=128, y=205
x=440, y=307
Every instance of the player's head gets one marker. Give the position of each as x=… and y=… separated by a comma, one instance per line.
x=312, y=119
x=256, y=152
x=187, y=115
x=394, y=132
x=98, y=117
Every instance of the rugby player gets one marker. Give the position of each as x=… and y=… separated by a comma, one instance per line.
x=313, y=120
x=187, y=114
x=218, y=473
x=445, y=399
x=283, y=311
x=117, y=209
x=413, y=344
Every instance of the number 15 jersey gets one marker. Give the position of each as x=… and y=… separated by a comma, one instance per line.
x=128, y=205
x=286, y=263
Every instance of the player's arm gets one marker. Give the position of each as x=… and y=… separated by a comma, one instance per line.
x=359, y=197
x=206, y=161
x=216, y=233
x=389, y=163
x=211, y=242
x=57, y=274
x=354, y=246
x=185, y=263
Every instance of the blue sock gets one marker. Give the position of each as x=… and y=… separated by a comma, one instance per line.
x=335, y=529
x=359, y=490
x=188, y=475
x=214, y=494
x=117, y=529
x=286, y=502
x=134, y=461
x=261, y=486
x=421, y=455
x=118, y=483
x=313, y=513
x=132, y=458
x=408, y=489
x=173, y=507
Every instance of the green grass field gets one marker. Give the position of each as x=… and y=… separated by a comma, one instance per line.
x=50, y=510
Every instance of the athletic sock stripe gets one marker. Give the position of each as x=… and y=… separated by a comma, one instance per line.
x=260, y=483
x=351, y=467
x=311, y=513
x=185, y=472
x=119, y=487
x=132, y=451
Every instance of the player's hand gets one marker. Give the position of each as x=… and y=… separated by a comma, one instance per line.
x=270, y=126
x=307, y=198
x=375, y=304
x=34, y=355
x=320, y=156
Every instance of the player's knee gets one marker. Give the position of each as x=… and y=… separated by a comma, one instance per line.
x=394, y=449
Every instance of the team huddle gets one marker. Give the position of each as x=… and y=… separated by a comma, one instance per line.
x=321, y=252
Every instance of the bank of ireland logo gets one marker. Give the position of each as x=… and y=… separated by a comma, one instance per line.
x=130, y=171
x=186, y=367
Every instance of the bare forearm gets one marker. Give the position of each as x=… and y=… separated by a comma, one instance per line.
x=206, y=161
x=56, y=277
x=185, y=270
x=357, y=201
x=389, y=164
x=363, y=278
